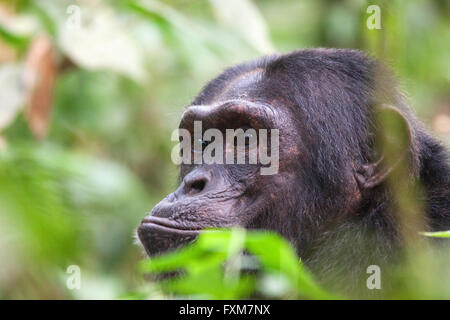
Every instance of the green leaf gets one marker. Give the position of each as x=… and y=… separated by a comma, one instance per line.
x=91, y=45
x=438, y=234
x=244, y=18
x=207, y=273
x=18, y=42
x=276, y=254
x=211, y=284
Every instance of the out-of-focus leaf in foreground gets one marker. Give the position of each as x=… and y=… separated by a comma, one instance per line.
x=438, y=234
x=213, y=264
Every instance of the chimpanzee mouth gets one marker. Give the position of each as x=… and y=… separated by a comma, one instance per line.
x=168, y=225
x=159, y=235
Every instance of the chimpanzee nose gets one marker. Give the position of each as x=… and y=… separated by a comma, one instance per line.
x=195, y=182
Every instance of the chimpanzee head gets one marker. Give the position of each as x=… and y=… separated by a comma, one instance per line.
x=320, y=109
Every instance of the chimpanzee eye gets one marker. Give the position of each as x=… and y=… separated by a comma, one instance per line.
x=199, y=145
x=248, y=135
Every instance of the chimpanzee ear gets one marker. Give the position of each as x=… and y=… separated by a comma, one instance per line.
x=393, y=141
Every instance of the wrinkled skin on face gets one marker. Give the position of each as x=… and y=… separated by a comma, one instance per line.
x=220, y=195
x=330, y=191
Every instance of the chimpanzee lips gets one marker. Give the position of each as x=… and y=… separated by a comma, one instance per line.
x=159, y=235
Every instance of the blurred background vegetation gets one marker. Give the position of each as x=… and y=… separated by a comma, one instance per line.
x=86, y=113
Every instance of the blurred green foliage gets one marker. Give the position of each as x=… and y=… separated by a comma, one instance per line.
x=212, y=268
x=76, y=197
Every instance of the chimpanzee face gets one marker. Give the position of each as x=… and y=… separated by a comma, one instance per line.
x=249, y=168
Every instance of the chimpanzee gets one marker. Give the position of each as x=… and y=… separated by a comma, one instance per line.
x=358, y=174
